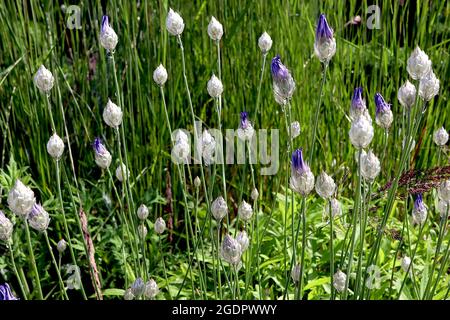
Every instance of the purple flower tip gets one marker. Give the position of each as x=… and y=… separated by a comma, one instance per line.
x=323, y=29
x=97, y=145
x=418, y=203
x=5, y=292
x=279, y=70
x=381, y=105
x=357, y=99
x=105, y=23
x=297, y=161
x=244, y=120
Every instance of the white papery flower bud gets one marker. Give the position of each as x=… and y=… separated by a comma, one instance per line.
x=208, y=147
x=112, y=115
x=303, y=183
x=119, y=172
x=219, y=208
x=108, y=37
x=361, y=132
x=339, y=279
x=444, y=190
x=231, y=250
x=55, y=146
x=429, y=86
x=370, y=166
x=244, y=241
x=325, y=185
x=21, y=199
x=302, y=179
x=174, y=23
x=128, y=295
x=443, y=209
x=197, y=182
x=265, y=42
x=406, y=262
x=43, y=79
x=418, y=65
x=245, y=211
x=215, y=29
x=151, y=289
x=254, y=194
x=142, y=230
x=61, y=246
x=38, y=218
x=142, y=212
x=384, y=119
x=181, y=149
x=295, y=272
x=6, y=227
x=160, y=75
x=214, y=87
x=336, y=208
x=440, y=137
x=102, y=156
x=160, y=225
x=407, y=94
x=295, y=129
x=325, y=43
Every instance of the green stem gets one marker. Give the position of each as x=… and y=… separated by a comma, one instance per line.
x=302, y=258
x=316, y=116
x=412, y=259
x=442, y=227
x=393, y=190
x=356, y=211
x=164, y=267
x=33, y=262
x=331, y=251
x=444, y=262
x=362, y=236
x=66, y=227
x=13, y=262
x=193, y=115
x=258, y=97
x=55, y=264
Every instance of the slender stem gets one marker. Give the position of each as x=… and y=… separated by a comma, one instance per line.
x=55, y=264
x=52, y=122
x=33, y=262
x=13, y=262
x=180, y=176
x=356, y=211
x=362, y=239
x=412, y=258
x=219, y=280
x=392, y=192
x=66, y=227
x=193, y=116
x=164, y=267
x=444, y=261
x=286, y=207
x=331, y=251
x=316, y=116
x=395, y=257
x=125, y=227
x=66, y=131
x=258, y=97
x=442, y=226
x=302, y=258
x=224, y=181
